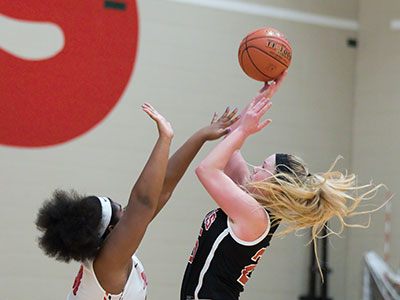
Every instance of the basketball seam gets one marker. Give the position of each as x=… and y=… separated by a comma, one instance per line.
x=244, y=50
x=255, y=64
x=241, y=55
x=241, y=59
x=266, y=54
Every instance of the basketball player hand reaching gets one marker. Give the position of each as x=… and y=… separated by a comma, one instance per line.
x=236, y=168
x=105, y=237
x=267, y=91
x=250, y=123
x=221, y=126
x=113, y=262
x=164, y=127
x=236, y=232
x=180, y=161
x=249, y=222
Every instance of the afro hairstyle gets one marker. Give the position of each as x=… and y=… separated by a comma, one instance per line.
x=69, y=226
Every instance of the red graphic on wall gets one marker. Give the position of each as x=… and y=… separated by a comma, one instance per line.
x=51, y=101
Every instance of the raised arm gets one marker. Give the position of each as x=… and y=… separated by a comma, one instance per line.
x=180, y=161
x=267, y=91
x=115, y=255
x=242, y=209
x=236, y=168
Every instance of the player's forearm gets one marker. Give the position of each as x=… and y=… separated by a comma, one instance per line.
x=180, y=161
x=148, y=187
x=177, y=166
x=236, y=168
x=221, y=154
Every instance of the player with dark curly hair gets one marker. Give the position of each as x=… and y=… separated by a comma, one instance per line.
x=102, y=235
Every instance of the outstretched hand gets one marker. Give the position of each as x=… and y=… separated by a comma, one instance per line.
x=266, y=92
x=220, y=126
x=269, y=89
x=250, y=121
x=164, y=127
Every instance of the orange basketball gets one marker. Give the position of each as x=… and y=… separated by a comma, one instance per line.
x=264, y=54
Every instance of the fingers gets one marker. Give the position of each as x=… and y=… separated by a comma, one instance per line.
x=271, y=90
x=277, y=83
x=262, y=90
x=225, y=113
x=273, y=87
x=150, y=110
x=226, y=131
x=282, y=77
x=264, y=109
x=147, y=108
x=230, y=116
x=261, y=105
x=263, y=124
x=214, y=118
x=234, y=120
x=226, y=116
x=148, y=105
x=164, y=127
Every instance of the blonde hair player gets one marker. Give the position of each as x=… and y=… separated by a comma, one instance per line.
x=233, y=237
x=102, y=235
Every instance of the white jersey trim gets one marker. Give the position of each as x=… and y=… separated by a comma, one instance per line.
x=208, y=261
x=251, y=243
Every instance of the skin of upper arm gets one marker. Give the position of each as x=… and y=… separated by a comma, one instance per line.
x=123, y=240
x=246, y=213
x=115, y=254
x=236, y=168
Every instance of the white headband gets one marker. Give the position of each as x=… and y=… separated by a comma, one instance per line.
x=106, y=213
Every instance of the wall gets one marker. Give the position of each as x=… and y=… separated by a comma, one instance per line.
x=187, y=68
x=376, y=141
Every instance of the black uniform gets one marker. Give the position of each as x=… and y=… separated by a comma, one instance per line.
x=220, y=263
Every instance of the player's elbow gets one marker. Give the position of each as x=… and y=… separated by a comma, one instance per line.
x=201, y=171
x=145, y=201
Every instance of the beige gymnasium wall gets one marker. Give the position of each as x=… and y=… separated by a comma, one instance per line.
x=203, y=69
x=187, y=67
x=376, y=138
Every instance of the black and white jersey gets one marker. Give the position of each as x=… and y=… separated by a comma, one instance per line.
x=221, y=263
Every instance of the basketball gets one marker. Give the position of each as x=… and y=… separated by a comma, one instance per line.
x=264, y=54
